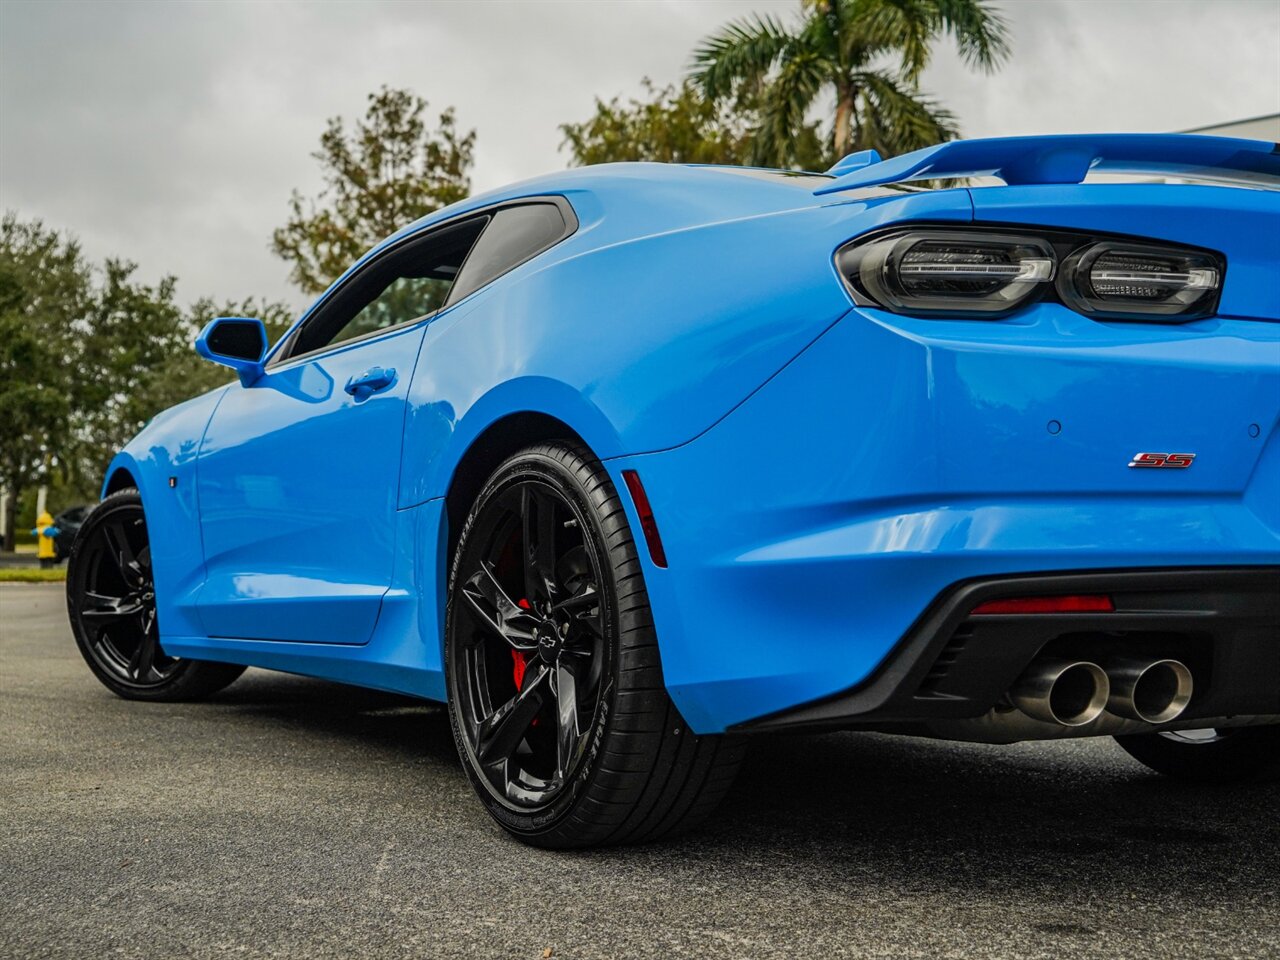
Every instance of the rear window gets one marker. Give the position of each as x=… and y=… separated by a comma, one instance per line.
x=514, y=235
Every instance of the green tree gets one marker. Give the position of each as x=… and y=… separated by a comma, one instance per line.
x=140, y=343
x=45, y=287
x=867, y=55
x=672, y=124
x=127, y=335
x=88, y=354
x=388, y=172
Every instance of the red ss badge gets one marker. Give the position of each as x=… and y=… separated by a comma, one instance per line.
x=1174, y=461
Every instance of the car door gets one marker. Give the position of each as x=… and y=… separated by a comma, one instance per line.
x=298, y=473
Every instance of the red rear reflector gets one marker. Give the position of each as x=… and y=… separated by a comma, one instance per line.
x=647, y=523
x=1076, y=603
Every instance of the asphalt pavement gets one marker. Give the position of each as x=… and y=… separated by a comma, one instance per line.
x=289, y=817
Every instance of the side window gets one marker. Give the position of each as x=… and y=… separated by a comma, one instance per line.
x=515, y=235
x=405, y=285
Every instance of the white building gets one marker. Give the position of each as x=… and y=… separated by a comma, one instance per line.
x=1255, y=128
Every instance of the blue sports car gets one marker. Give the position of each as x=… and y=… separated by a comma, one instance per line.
x=630, y=462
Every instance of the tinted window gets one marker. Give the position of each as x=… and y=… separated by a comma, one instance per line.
x=407, y=284
x=514, y=235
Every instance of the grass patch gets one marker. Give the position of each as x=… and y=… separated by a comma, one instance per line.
x=33, y=574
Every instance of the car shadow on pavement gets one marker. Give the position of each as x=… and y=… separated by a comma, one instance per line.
x=1066, y=821
x=389, y=722
x=1069, y=820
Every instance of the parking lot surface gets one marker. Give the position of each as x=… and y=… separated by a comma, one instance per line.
x=294, y=818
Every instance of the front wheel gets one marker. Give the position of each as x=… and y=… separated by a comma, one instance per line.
x=1229, y=755
x=556, y=696
x=111, y=600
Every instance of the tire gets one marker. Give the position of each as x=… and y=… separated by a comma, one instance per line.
x=556, y=694
x=1230, y=755
x=111, y=603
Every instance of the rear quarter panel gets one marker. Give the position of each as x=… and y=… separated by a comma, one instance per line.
x=638, y=345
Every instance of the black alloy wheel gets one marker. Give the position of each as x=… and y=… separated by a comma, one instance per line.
x=546, y=605
x=529, y=684
x=111, y=601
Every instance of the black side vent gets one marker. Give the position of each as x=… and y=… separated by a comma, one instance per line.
x=937, y=674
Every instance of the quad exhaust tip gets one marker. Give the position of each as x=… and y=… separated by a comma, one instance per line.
x=1153, y=691
x=1072, y=693
x=1067, y=692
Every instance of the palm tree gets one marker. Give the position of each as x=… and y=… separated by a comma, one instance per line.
x=848, y=47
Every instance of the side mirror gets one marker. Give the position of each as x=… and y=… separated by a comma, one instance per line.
x=235, y=342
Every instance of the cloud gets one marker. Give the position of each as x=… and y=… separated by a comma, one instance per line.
x=1103, y=66
x=172, y=134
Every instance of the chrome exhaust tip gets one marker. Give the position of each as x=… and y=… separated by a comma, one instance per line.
x=1155, y=691
x=1070, y=693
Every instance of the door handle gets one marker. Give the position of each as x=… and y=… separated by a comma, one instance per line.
x=373, y=380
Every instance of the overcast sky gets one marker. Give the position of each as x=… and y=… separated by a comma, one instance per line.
x=172, y=133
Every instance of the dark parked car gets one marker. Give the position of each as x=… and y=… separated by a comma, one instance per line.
x=68, y=523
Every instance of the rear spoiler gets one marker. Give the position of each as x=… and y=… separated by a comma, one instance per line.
x=1067, y=159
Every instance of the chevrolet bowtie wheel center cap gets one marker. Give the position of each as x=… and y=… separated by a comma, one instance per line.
x=549, y=642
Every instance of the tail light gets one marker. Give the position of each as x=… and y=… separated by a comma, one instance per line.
x=947, y=273
x=1137, y=281
x=973, y=273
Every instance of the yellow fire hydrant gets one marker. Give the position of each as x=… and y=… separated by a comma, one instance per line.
x=45, y=531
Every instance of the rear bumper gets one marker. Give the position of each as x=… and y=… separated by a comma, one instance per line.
x=1224, y=623
x=808, y=531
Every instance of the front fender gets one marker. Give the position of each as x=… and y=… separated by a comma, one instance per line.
x=161, y=459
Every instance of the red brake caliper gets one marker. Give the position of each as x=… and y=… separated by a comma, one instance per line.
x=518, y=659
